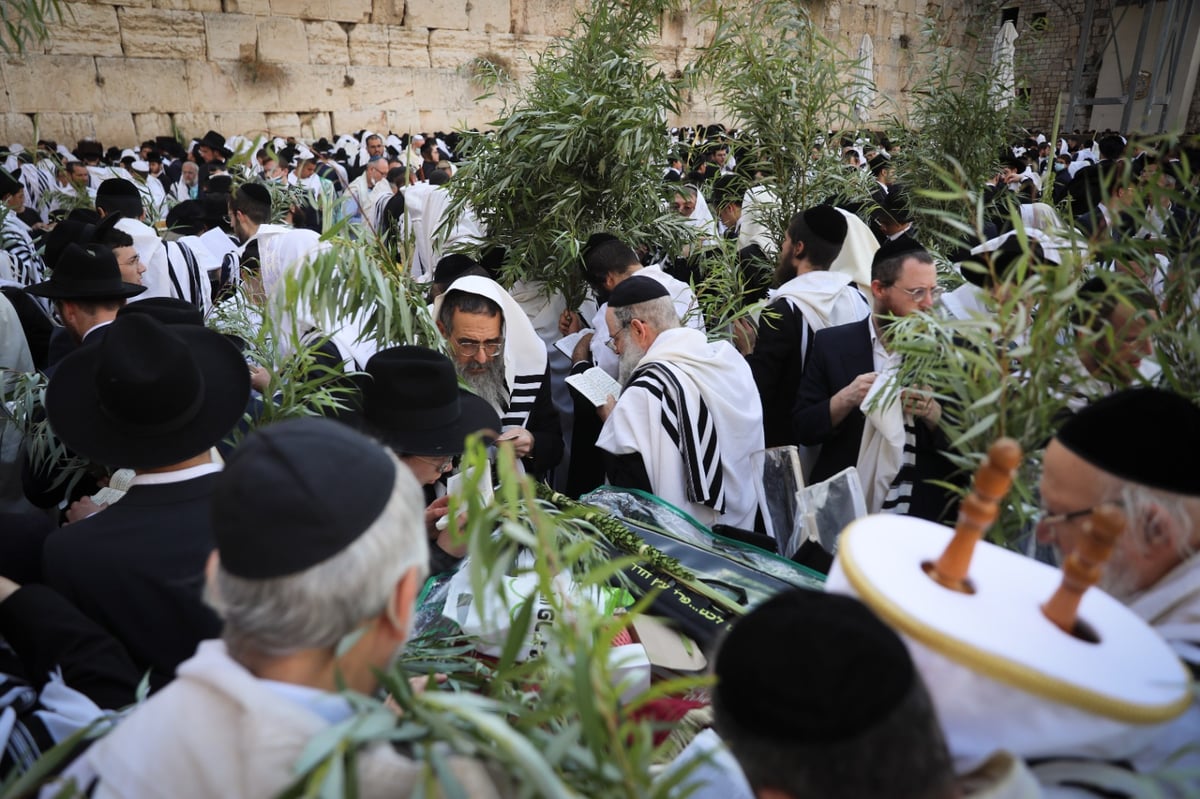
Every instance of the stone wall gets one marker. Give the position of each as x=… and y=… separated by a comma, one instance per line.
x=126, y=70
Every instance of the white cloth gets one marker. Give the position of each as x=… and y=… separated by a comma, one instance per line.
x=242, y=739
x=716, y=385
x=525, y=356
x=683, y=298
x=425, y=208
x=881, y=453
x=717, y=775
x=153, y=254
x=753, y=228
x=857, y=252
x=966, y=302
x=825, y=298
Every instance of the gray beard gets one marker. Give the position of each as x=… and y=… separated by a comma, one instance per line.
x=489, y=383
x=628, y=361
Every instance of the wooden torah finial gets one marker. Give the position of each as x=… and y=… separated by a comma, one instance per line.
x=1084, y=565
x=976, y=514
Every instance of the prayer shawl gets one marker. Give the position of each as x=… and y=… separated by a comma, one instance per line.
x=692, y=412
x=426, y=209
x=857, y=252
x=525, y=355
x=753, y=230
x=686, y=306
x=824, y=299
x=887, y=443
x=190, y=262
x=153, y=254
x=27, y=267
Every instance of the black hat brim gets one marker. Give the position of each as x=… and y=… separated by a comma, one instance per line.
x=62, y=290
x=77, y=418
x=477, y=414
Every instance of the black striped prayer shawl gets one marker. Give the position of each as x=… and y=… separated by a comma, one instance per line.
x=521, y=400
x=193, y=291
x=696, y=438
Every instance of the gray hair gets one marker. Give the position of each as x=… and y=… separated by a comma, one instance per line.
x=658, y=313
x=1138, y=500
x=316, y=608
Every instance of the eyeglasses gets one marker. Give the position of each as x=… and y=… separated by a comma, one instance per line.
x=469, y=348
x=918, y=295
x=612, y=341
x=442, y=464
x=1059, y=518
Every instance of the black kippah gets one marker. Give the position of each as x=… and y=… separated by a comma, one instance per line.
x=633, y=290
x=1144, y=435
x=8, y=184
x=853, y=673
x=452, y=267
x=117, y=187
x=295, y=494
x=899, y=246
x=256, y=192
x=827, y=222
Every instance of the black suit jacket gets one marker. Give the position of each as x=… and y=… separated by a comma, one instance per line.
x=137, y=569
x=839, y=354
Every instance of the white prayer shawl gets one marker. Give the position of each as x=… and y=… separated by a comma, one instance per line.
x=38, y=183
x=543, y=309
x=966, y=302
x=881, y=453
x=691, y=411
x=153, y=254
x=429, y=209
x=686, y=306
x=525, y=356
x=857, y=252
x=192, y=265
x=26, y=265
x=825, y=299
x=14, y=350
x=181, y=192
x=752, y=229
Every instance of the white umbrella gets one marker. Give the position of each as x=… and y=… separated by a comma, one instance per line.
x=864, y=79
x=1004, y=52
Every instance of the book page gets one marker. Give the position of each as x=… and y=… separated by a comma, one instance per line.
x=566, y=344
x=595, y=384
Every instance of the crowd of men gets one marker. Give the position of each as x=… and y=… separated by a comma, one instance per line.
x=251, y=582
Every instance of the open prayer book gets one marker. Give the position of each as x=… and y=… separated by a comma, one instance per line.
x=595, y=384
x=566, y=344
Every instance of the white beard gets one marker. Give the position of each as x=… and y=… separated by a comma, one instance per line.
x=489, y=383
x=631, y=354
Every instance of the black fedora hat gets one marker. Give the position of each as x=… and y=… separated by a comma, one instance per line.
x=413, y=403
x=66, y=232
x=86, y=272
x=147, y=394
x=215, y=141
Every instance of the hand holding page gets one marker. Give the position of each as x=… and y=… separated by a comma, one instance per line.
x=595, y=384
x=566, y=344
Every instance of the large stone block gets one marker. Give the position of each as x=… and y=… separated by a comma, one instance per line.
x=313, y=87
x=489, y=16
x=259, y=7
x=387, y=12
x=150, y=33
x=150, y=125
x=302, y=9
x=408, y=49
x=327, y=43
x=455, y=49
x=450, y=14
x=124, y=3
x=40, y=83
x=237, y=123
x=369, y=45
x=283, y=124
x=384, y=87
x=350, y=10
x=85, y=30
x=348, y=120
x=110, y=128
x=545, y=17
x=315, y=124
x=218, y=86
x=282, y=40
x=188, y=5
x=143, y=84
x=231, y=37
x=19, y=128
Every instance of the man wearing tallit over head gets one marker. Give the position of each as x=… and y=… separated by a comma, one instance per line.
x=688, y=420
x=498, y=353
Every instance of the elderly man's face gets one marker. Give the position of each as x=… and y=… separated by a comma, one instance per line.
x=191, y=173
x=475, y=340
x=376, y=171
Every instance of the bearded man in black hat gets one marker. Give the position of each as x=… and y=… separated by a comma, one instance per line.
x=153, y=398
x=841, y=372
x=321, y=554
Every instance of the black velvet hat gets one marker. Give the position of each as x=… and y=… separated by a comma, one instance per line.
x=146, y=395
x=296, y=493
x=633, y=290
x=849, y=673
x=1144, y=435
x=215, y=141
x=413, y=403
x=453, y=266
x=66, y=231
x=85, y=272
x=118, y=187
x=9, y=185
x=828, y=223
x=899, y=246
